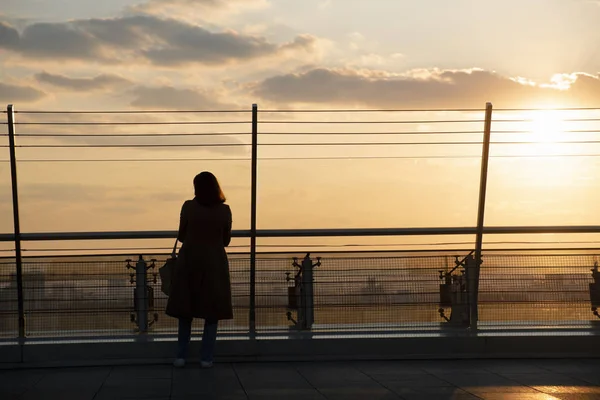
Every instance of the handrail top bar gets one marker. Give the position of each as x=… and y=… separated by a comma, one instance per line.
x=272, y=233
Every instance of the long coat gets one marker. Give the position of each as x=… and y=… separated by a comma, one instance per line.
x=201, y=285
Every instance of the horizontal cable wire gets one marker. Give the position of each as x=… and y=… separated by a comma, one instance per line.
x=127, y=134
x=307, y=158
x=378, y=122
x=164, y=135
x=93, y=146
x=133, y=111
x=50, y=135
x=535, y=143
x=302, y=110
x=547, y=109
x=420, y=121
x=137, y=123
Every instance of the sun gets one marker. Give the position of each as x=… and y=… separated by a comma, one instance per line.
x=542, y=133
x=544, y=148
x=545, y=132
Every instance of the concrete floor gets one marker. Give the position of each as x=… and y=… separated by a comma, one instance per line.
x=370, y=380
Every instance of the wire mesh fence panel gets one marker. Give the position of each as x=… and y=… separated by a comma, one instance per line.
x=536, y=290
x=389, y=293
x=97, y=298
x=272, y=292
x=76, y=297
x=94, y=296
x=9, y=325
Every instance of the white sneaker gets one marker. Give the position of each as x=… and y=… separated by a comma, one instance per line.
x=206, y=364
x=179, y=363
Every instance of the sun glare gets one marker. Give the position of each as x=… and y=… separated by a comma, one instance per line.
x=545, y=147
x=546, y=132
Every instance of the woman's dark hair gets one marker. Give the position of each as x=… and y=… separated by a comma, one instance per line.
x=207, y=189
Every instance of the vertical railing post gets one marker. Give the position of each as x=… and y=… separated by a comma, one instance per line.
x=141, y=296
x=307, y=292
x=253, y=199
x=17, y=227
x=485, y=155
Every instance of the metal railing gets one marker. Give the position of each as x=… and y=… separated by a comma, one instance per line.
x=78, y=297
x=397, y=128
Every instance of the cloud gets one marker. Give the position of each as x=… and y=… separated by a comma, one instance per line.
x=9, y=36
x=166, y=42
x=421, y=88
x=206, y=10
x=44, y=40
x=103, y=81
x=152, y=5
x=13, y=93
x=171, y=98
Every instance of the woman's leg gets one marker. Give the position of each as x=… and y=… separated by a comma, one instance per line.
x=209, y=338
x=184, y=335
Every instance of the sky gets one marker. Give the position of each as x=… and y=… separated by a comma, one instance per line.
x=288, y=55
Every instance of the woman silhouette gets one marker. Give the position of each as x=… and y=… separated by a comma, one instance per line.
x=201, y=286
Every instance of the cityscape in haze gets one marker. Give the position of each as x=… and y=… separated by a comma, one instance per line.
x=176, y=55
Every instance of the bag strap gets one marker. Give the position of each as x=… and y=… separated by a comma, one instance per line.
x=174, y=252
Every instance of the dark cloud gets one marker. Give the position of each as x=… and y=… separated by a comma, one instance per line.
x=14, y=93
x=9, y=36
x=159, y=41
x=44, y=40
x=103, y=81
x=421, y=89
x=168, y=97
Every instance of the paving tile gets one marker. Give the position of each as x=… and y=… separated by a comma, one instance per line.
x=351, y=393
x=73, y=377
x=207, y=383
x=271, y=377
x=360, y=386
x=218, y=371
x=514, y=367
x=577, y=396
x=516, y=396
x=509, y=391
x=287, y=394
x=226, y=396
x=568, y=389
x=125, y=396
x=18, y=382
x=319, y=377
x=68, y=383
x=464, y=380
x=413, y=391
x=588, y=378
x=135, y=388
x=397, y=368
x=457, y=366
x=142, y=371
x=220, y=388
x=569, y=366
x=547, y=379
x=424, y=380
x=64, y=393
x=454, y=396
x=9, y=396
x=591, y=364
